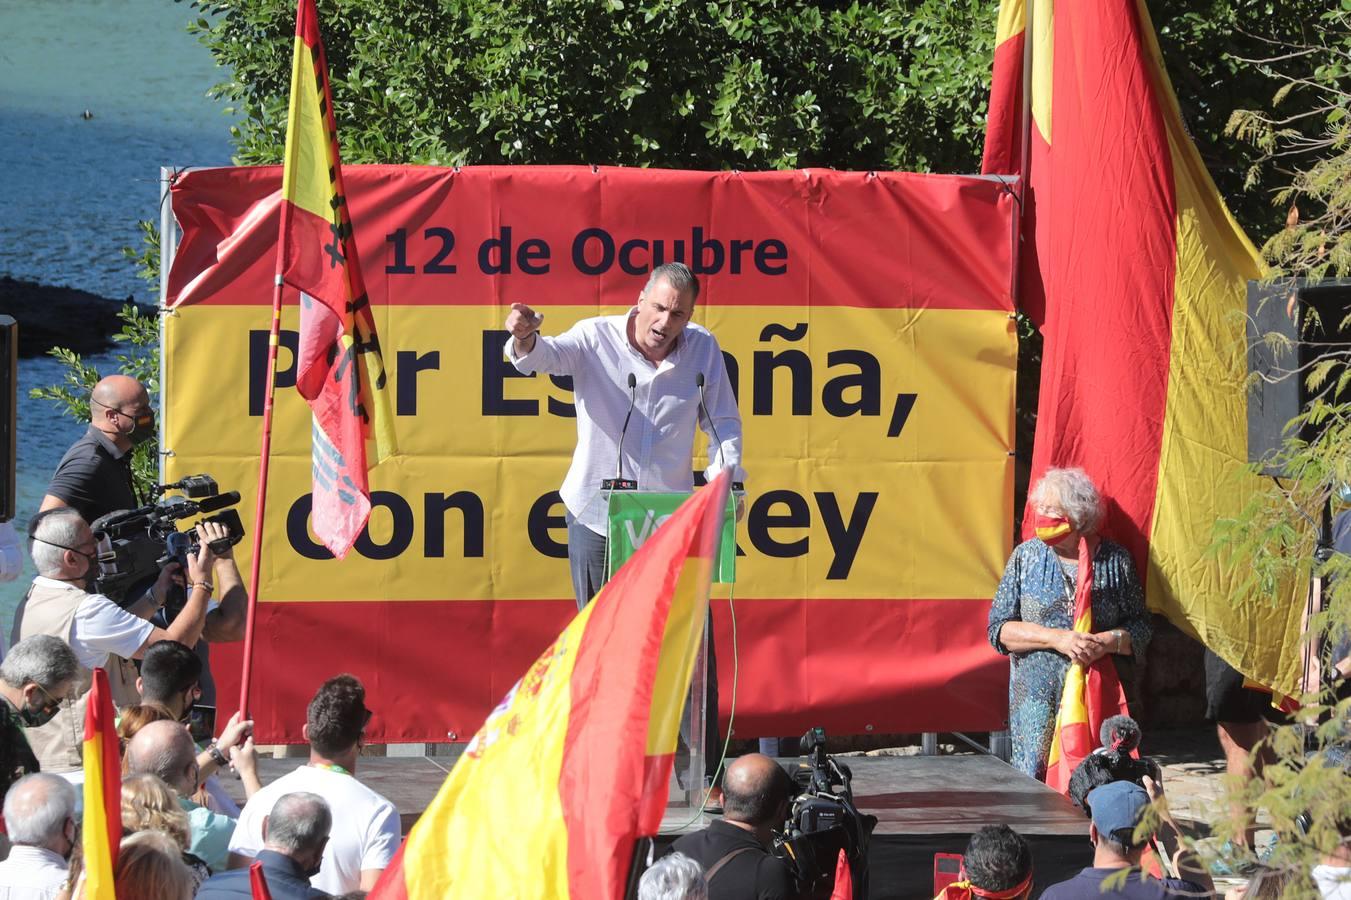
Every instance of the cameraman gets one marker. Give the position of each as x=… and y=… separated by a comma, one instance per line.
x=734, y=850
x=99, y=631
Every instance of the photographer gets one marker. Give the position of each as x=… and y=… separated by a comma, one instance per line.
x=734, y=850
x=101, y=633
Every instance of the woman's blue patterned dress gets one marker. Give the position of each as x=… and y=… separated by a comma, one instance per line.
x=1037, y=589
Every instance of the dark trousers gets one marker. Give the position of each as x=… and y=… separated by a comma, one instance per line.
x=586, y=559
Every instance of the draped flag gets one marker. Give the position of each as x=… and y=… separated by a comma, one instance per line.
x=1091, y=693
x=102, y=824
x=339, y=368
x=1143, y=273
x=581, y=749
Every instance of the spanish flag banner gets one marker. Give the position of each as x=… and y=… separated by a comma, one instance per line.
x=339, y=367
x=102, y=825
x=1091, y=693
x=581, y=749
x=1143, y=273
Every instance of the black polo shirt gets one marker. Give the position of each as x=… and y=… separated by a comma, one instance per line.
x=94, y=477
x=752, y=875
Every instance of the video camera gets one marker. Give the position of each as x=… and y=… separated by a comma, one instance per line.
x=823, y=821
x=1120, y=737
x=135, y=544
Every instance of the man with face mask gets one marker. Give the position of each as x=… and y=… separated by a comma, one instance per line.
x=94, y=476
x=40, y=817
x=35, y=677
x=102, y=634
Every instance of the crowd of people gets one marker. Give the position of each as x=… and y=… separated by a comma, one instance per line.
x=320, y=832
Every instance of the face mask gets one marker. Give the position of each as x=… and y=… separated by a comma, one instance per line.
x=1051, y=529
x=314, y=869
x=142, y=429
x=36, y=718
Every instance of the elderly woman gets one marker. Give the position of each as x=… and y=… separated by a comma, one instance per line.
x=1031, y=620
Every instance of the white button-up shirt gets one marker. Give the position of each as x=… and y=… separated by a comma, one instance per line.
x=659, y=443
x=31, y=873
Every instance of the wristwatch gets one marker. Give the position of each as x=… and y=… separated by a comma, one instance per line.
x=216, y=755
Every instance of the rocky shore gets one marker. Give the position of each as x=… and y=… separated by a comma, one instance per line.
x=51, y=316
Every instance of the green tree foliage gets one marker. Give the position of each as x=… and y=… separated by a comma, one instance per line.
x=1302, y=137
x=139, y=358
x=706, y=85
x=887, y=84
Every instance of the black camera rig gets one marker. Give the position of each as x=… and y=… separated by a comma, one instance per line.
x=822, y=821
x=135, y=544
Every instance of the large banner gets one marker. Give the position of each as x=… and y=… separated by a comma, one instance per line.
x=868, y=332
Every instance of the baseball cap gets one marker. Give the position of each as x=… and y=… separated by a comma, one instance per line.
x=1116, y=810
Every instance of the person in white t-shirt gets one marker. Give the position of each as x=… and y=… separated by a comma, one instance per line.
x=366, y=830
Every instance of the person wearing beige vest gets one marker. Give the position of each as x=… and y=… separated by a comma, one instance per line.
x=101, y=633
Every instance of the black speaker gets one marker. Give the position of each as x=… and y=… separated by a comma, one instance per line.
x=1309, y=315
x=9, y=396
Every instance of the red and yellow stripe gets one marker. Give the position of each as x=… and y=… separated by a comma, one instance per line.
x=1143, y=272
x=312, y=184
x=580, y=750
x=102, y=825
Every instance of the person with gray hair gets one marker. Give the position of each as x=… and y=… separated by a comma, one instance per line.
x=673, y=877
x=295, y=834
x=165, y=749
x=40, y=818
x=101, y=633
x=1032, y=618
x=37, y=675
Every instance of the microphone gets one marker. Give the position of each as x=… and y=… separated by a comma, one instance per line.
x=619, y=482
x=703, y=408
x=219, y=501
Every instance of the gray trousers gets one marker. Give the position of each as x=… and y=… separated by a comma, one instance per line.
x=586, y=558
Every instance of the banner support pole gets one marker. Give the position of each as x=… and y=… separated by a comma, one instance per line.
x=264, y=457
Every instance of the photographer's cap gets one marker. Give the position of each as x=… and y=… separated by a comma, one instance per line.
x=1117, y=808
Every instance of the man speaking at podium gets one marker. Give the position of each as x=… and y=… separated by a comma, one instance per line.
x=639, y=380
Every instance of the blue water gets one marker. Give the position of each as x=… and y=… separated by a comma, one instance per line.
x=75, y=188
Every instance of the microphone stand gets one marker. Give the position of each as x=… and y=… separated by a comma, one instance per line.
x=619, y=482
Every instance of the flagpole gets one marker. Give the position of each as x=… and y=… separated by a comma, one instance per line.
x=1024, y=157
x=264, y=458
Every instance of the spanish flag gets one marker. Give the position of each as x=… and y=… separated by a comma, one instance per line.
x=572, y=766
x=339, y=367
x=1090, y=695
x=102, y=826
x=1143, y=272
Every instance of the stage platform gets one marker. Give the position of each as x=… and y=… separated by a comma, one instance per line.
x=924, y=805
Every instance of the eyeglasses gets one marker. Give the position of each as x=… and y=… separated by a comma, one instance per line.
x=52, y=702
x=144, y=412
x=92, y=557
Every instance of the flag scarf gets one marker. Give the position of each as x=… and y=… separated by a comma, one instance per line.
x=1091, y=693
x=965, y=890
x=339, y=368
x=581, y=749
x=1143, y=275
x=102, y=824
